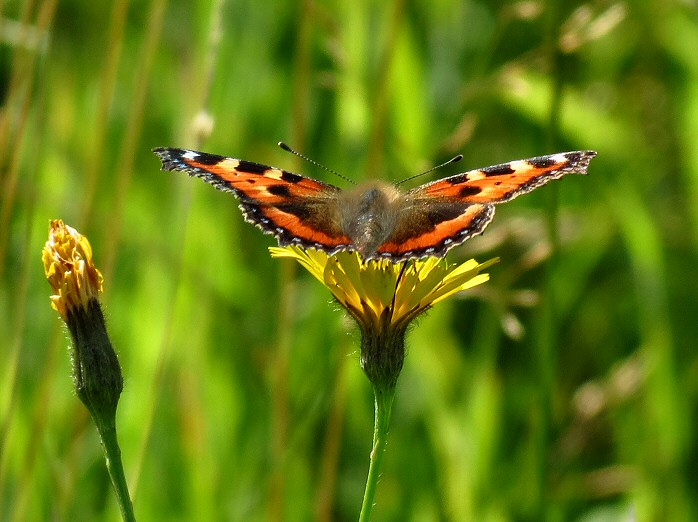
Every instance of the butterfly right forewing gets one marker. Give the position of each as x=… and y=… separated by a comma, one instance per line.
x=500, y=183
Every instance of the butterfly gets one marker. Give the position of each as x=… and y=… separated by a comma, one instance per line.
x=376, y=219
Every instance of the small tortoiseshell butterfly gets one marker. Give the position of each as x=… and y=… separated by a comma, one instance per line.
x=376, y=219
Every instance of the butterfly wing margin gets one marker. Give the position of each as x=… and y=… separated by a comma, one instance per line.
x=295, y=209
x=500, y=183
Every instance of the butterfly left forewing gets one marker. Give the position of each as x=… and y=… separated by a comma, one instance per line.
x=246, y=179
x=294, y=208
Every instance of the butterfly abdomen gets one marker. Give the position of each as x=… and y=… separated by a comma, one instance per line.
x=369, y=214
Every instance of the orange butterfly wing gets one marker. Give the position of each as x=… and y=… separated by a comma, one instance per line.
x=504, y=182
x=444, y=213
x=295, y=209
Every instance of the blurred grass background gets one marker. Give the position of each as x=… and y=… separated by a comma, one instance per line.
x=564, y=389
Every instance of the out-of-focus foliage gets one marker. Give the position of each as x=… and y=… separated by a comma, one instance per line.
x=564, y=389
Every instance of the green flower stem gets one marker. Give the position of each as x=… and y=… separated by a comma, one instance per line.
x=99, y=383
x=112, y=454
x=384, y=396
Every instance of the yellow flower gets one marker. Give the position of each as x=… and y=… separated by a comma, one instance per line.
x=385, y=297
x=97, y=377
x=369, y=289
x=69, y=269
x=76, y=284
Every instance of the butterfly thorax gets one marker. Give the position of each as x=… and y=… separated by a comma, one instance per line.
x=369, y=213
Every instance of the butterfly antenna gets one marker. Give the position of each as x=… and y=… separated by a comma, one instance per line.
x=306, y=158
x=455, y=159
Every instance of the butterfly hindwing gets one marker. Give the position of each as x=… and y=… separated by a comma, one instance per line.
x=433, y=227
x=294, y=208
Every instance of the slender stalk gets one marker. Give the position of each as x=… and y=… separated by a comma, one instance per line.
x=112, y=453
x=384, y=402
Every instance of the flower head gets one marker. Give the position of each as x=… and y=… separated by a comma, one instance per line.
x=385, y=297
x=77, y=283
x=69, y=268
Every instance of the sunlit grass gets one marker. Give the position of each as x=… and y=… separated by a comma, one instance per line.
x=243, y=399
